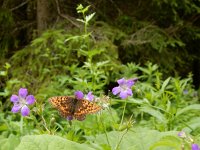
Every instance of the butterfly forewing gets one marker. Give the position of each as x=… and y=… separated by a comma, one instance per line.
x=64, y=104
x=84, y=107
x=70, y=106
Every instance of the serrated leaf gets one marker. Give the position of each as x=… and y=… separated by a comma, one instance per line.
x=144, y=70
x=102, y=63
x=165, y=83
x=49, y=142
x=80, y=6
x=89, y=17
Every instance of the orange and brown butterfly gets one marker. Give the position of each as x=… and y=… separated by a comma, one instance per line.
x=74, y=107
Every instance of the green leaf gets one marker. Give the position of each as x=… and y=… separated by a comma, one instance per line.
x=167, y=143
x=49, y=142
x=3, y=73
x=193, y=124
x=79, y=7
x=188, y=109
x=165, y=83
x=154, y=113
x=102, y=63
x=134, y=139
x=7, y=65
x=5, y=93
x=9, y=143
x=89, y=17
x=80, y=20
x=3, y=127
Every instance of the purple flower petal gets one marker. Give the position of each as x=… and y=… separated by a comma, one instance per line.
x=116, y=90
x=16, y=108
x=30, y=99
x=182, y=134
x=23, y=92
x=25, y=111
x=14, y=98
x=185, y=92
x=131, y=82
x=90, y=96
x=121, y=81
x=123, y=94
x=69, y=117
x=195, y=147
x=79, y=95
x=129, y=92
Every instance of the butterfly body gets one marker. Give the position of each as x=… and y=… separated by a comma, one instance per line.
x=72, y=107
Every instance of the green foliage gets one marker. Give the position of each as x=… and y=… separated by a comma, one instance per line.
x=43, y=142
x=61, y=53
x=9, y=143
x=167, y=101
x=139, y=139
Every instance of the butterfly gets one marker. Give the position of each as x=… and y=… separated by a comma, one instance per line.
x=74, y=108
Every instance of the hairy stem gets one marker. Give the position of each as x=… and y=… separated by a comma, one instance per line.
x=123, y=113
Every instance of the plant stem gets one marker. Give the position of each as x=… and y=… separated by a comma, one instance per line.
x=123, y=113
x=117, y=147
x=104, y=129
x=45, y=125
x=21, y=125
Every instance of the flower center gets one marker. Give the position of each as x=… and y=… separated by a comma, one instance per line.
x=124, y=87
x=22, y=101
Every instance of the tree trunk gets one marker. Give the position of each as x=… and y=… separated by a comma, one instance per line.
x=42, y=15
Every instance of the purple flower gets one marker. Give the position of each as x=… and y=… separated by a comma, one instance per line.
x=22, y=101
x=185, y=92
x=195, y=147
x=79, y=95
x=90, y=96
x=182, y=134
x=124, y=89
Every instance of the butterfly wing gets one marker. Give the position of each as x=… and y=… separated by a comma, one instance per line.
x=64, y=104
x=84, y=107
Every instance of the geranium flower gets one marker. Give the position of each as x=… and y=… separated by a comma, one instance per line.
x=124, y=89
x=195, y=147
x=22, y=101
x=90, y=96
x=80, y=95
x=182, y=134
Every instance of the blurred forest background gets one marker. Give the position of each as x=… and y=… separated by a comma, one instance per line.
x=164, y=32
